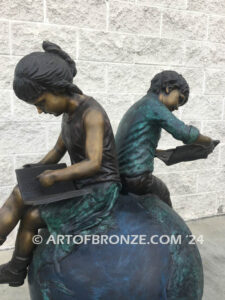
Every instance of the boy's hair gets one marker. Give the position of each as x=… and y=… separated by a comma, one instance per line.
x=172, y=80
x=49, y=71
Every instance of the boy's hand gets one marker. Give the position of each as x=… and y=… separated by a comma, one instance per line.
x=47, y=178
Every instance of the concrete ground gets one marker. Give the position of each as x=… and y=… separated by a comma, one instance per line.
x=213, y=254
x=212, y=251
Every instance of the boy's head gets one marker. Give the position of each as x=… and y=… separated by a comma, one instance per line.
x=171, y=87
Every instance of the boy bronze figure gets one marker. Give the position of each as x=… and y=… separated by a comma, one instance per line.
x=140, y=129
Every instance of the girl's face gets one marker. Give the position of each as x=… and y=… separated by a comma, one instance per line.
x=51, y=104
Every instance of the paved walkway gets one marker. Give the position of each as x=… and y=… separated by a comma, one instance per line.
x=212, y=252
x=213, y=255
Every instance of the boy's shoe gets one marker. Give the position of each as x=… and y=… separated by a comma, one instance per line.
x=2, y=240
x=15, y=271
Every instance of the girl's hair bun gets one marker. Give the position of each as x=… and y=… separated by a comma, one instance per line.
x=55, y=49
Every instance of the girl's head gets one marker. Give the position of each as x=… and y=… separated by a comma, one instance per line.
x=45, y=73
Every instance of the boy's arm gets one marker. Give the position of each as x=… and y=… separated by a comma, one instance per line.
x=165, y=119
x=54, y=155
x=203, y=140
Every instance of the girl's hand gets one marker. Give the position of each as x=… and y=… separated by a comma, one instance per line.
x=47, y=178
x=32, y=165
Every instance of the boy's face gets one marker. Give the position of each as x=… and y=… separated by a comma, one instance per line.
x=173, y=99
x=51, y=104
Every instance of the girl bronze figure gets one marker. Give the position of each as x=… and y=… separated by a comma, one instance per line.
x=45, y=80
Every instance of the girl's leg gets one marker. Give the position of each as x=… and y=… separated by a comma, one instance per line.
x=15, y=271
x=10, y=213
x=29, y=225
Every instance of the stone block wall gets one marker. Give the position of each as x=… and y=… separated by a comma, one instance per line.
x=118, y=47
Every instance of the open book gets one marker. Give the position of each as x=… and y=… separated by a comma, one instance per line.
x=186, y=153
x=33, y=193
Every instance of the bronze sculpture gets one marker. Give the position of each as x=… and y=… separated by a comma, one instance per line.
x=68, y=272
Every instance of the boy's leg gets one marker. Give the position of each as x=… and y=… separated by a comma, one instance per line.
x=146, y=183
x=159, y=188
x=10, y=213
x=14, y=272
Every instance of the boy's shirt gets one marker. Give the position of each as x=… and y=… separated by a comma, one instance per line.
x=139, y=132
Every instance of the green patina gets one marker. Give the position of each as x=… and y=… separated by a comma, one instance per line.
x=139, y=132
x=186, y=273
x=89, y=214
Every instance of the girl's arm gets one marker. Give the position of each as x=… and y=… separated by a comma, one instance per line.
x=54, y=155
x=94, y=129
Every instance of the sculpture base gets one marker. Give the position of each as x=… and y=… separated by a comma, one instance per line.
x=166, y=266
